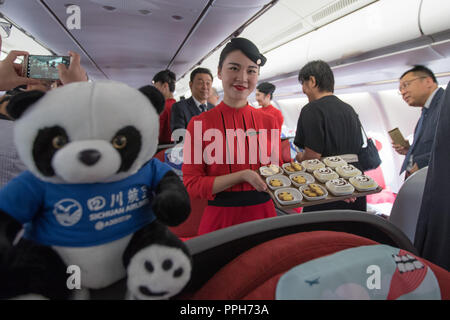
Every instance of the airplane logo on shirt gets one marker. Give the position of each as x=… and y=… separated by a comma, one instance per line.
x=312, y=282
x=67, y=212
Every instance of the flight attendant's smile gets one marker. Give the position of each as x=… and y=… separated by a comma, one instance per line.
x=239, y=76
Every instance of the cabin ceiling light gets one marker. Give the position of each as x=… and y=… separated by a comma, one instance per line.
x=109, y=8
x=177, y=17
x=137, y=7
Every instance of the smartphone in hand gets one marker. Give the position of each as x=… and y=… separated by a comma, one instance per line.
x=398, y=138
x=43, y=67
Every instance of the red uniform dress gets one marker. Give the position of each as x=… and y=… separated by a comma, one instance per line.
x=224, y=140
x=165, y=133
x=274, y=112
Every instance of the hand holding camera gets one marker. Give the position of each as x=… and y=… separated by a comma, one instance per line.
x=67, y=69
x=11, y=73
x=75, y=72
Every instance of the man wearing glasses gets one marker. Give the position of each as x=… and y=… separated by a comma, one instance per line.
x=419, y=88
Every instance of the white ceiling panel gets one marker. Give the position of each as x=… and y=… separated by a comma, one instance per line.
x=124, y=42
x=223, y=20
x=131, y=40
x=276, y=28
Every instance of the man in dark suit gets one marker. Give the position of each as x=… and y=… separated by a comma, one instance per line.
x=419, y=88
x=200, y=83
x=432, y=238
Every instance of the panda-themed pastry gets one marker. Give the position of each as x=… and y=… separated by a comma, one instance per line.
x=363, y=183
x=313, y=191
x=312, y=164
x=334, y=162
x=348, y=171
x=339, y=187
x=288, y=196
x=325, y=174
x=301, y=178
x=285, y=196
x=293, y=167
x=93, y=195
x=278, y=181
x=269, y=170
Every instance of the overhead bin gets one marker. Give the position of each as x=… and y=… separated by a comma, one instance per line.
x=434, y=16
x=291, y=56
x=384, y=34
x=219, y=21
x=381, y=24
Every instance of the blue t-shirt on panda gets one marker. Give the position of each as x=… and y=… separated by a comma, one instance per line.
x=80, y=215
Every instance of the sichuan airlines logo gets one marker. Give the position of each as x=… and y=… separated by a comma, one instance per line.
x=67, y=212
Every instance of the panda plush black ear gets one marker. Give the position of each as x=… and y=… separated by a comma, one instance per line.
x=22, y=101
x=155, y=97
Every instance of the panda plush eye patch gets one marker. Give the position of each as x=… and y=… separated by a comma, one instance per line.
x=44, y=148
x=130, y=151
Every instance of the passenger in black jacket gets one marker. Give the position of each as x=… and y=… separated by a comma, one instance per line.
x=432, y=238
x=182, y=111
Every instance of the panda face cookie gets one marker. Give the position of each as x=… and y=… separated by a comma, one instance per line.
x=334, y=162
x=314, y=191
x=301, y=178
x=288, y=196
x=339, y=187
x=293, y=167
x=363, y=183
x=348, y=171
x=278, y=181
x=325, y=174
x=285, y=196
x=312, y=164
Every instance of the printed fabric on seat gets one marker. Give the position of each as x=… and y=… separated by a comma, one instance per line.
x=375, y=272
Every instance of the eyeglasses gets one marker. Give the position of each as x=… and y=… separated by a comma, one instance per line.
x=406, y=84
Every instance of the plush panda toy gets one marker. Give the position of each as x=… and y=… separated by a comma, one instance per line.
x=93, y=198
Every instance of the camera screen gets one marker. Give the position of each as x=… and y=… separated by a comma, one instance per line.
x=45, y=67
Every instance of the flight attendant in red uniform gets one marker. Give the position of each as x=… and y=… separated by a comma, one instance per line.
x=164, y=81
x=264, y=94
x=225, y=146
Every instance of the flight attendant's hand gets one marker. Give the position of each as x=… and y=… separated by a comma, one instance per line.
x=253, y=178
x=400, y=149
x=350, y=200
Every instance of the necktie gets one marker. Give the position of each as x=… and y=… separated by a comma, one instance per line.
x=416, y=135
x=202, y=107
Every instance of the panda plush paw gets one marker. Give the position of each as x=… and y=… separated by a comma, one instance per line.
x=157, y=272
x=171, y=203
x=171, y=208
